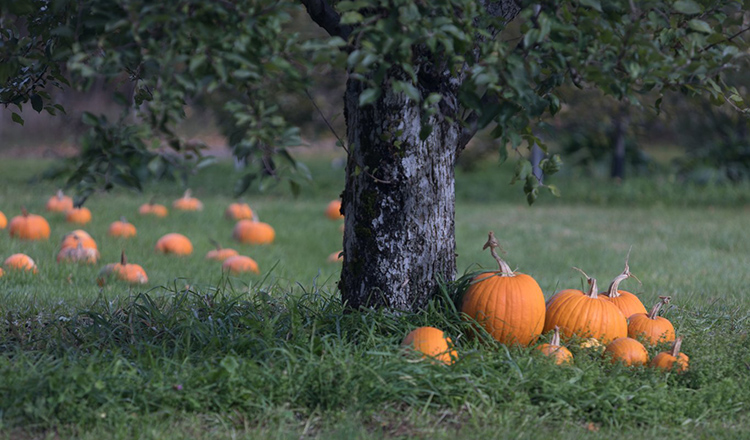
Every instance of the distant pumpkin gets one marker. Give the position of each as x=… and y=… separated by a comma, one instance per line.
x=336, y=257
x=240, y=264
x=122, y=229
x=79, y=216
x=59, y=202
x=174, y=243
x=333, y=210
x=3, y=220
x=122, y=271
x=20, y=262
x=431, y=343
x=253, y=232
x=154, y=209
x=220, y=253
x=238, y=211
x=29, y=226
x=187, y=202
x=78, y=254
x=72, y=239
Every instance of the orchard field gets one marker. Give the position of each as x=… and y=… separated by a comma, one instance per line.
x=196, y=353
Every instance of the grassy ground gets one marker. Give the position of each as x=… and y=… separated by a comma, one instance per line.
x=197, y=354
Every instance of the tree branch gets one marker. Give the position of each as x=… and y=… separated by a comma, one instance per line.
x=326, y=17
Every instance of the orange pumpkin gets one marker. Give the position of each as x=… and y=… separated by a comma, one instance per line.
x=3, y=220
x=80, y=215
x=72, y=239
x=336, y=257
x=652, y=328
x=240, y=264
x=122, y=271
x=29, y=226
x=509, y=305
x=122, y=229
x=626, y=350
x=1, y=272
x=78, y=254
x=154, y=209
x=628, y=303
x=431, y=343
x=174, y=243
x=333, y=210
x=555, y=350
x=59, y=202
x=253, y=232
x=220, y=253
x=587, y=315
x=666, y=360
x=238, y=211
x=187, y=203
x=20, y=262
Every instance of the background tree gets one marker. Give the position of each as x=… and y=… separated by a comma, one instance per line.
x=423, y=78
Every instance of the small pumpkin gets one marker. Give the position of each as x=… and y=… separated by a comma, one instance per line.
x=587, y=315
x=626, y=350
x=220, y=253
x=652, y=328
x=431, y=343
x=628, y=303
x=336, y=257
x=122, y=229
x=20, y=262
x=238, y=211
x=333, y=210
x=72, y=239
x=29, y=226
x=78, y=254
x=240, y=264
x=59, y=202
x=174, y=243
x=187, y=202
x=253, y=232
x=3, y=220
x=666, y=360
x=122, y=271
x=555, y=350
x=79, y=216
x=154, y=209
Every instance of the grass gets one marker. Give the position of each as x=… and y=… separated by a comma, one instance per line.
x=200, y=355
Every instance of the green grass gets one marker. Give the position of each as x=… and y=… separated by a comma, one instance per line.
x=200, y=355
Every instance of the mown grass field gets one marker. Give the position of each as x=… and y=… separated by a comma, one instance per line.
x=196, y=354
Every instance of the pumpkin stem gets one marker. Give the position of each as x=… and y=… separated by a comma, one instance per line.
x=152, y=200
x=215, y=244
x=123, y=260
x=676, y=345
x=492, y=243
x=24, y=212
x=555, y=342
x=187, y=194
x=593, y=293
x=123, y=220
x=60, y=194
x=255, y=217
x=663, y=300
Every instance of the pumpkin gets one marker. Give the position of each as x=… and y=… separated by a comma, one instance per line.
x=59, y=202
x=333, y=210
x=628, y=303
x=253, y=232
x=80, y=216
x=122, y=271
x=1, y=272
x=652, y=328
x=336, y=257
x=78, y=254
x=29, y=226
x=220, y=253
x=666, y=360
x=555, y=350
x=72, y=239
x=154, y=209
x=187, y=203
x=238, y=211
x=587, y=315
x=431, y=343
x=121, y=228
x=20, y=262
x=174, y=243
x=626, y=350
x=240, y=264
x=3, y=220
x=509, y=305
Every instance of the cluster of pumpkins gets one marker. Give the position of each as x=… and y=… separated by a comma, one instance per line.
x=510, y=307
x=79, y=247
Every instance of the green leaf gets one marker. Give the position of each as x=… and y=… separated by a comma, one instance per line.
x=17, y=118
x=37, y=103
x=244, y=183
x=368, y=96
x=593, y=4
x=688, y=7
x=89, y=118
x=553, y=190
x=700, y=26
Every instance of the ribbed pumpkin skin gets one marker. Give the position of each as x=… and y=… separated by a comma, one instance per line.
x=652, y=331
x=510, y=308
x=628, y=303
x=627, y=350
x=432, y=343
x=577, y=313
x=252, y=232
x=29, y=227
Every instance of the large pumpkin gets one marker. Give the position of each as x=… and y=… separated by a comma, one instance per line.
x=122, y=271
x=253, y=232
x=587, y=315
x=509, y=305
x=628, y=303
x=652, y=328
x=59, y=202
x=431, y=343
x=29, y=226
x=174, y=243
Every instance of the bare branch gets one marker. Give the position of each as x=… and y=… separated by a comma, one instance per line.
x=326, y=17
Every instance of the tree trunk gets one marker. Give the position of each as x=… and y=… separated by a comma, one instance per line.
x=622, y=120
x=399, y=200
